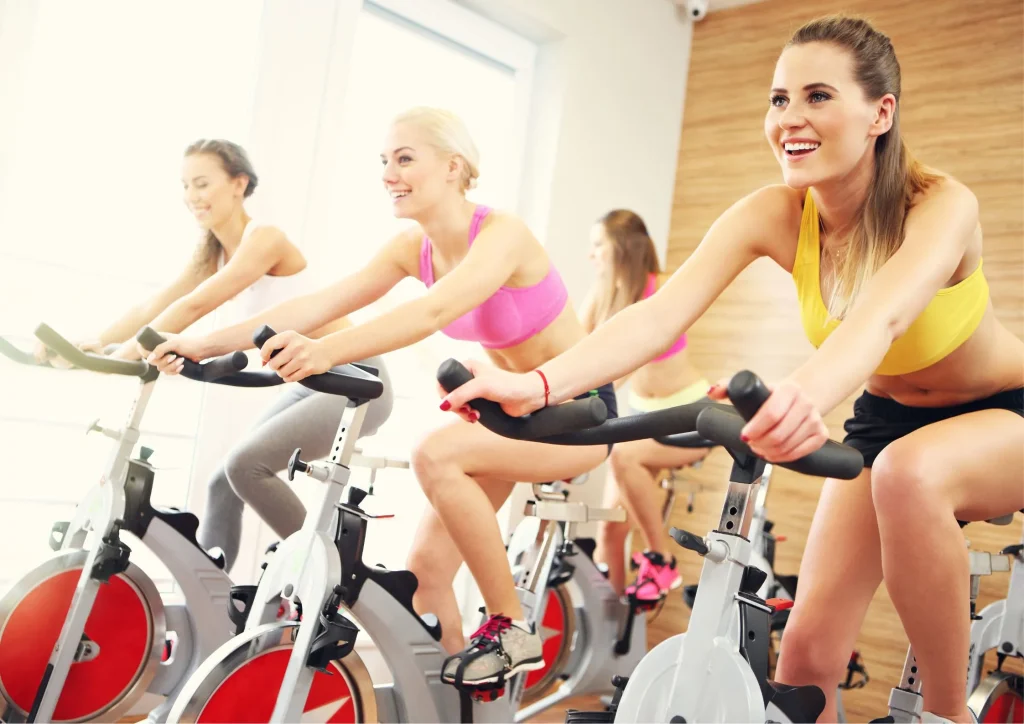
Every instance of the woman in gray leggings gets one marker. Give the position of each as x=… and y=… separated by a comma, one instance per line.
x=298, y=418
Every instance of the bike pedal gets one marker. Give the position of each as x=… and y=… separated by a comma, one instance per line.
x=487, y=695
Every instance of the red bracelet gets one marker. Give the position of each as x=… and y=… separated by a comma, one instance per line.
x=547, y=390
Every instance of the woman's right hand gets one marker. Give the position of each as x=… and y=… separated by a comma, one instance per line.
x=169, y=356
x=518, y=393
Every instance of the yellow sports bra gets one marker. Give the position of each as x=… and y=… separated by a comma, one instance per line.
x=949, y=319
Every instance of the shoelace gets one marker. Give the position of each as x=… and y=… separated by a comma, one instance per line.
x=491, y=629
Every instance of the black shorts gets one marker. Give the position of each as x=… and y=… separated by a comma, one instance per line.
x=607, y=395
x=878, y=421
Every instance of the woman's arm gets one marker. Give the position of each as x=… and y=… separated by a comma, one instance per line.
x=257, y=255
x=309, y=312
x=938, y=230
x=492, y=260
x=640, y=332
x=200, y=268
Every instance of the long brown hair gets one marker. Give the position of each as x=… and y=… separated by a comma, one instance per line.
x=235, y=162
x=898, y=176
x=634, y=258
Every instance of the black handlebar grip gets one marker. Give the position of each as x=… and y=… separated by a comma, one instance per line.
x=747, y=393
x=262, y=335
x=549, y=421
x=208, y=371
x=88, y=360
x=16, y=355
x=724, y=428
x=832, y=460
x=353, y=381
x=452, y=374
x=149, y=338
x=218, y=367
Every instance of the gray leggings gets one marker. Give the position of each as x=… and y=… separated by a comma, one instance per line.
x=298, y=418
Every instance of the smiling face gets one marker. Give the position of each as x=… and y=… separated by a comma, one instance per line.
x=820, y=124
x=416, y=174
x=210, y=193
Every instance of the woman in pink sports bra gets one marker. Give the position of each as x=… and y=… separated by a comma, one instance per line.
x=488, y=280
x=628, y=271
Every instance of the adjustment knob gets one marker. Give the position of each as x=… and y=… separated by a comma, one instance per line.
x=295, y=464
x=689, y=541
x=145, y=453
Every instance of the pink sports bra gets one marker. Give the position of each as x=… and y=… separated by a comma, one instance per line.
x=680, y=344
x=511, y=315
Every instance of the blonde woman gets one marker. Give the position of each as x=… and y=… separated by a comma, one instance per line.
x=488, y=280
x=628, y=271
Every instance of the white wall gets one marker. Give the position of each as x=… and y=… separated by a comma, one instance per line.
x=610, y=84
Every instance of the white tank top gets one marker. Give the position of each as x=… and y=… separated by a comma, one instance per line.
x=266, y=292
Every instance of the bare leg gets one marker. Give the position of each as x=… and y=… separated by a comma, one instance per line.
x=634, y=465
x=435, y=560
x=454, y=464
x=969, y=467
x=839, y=573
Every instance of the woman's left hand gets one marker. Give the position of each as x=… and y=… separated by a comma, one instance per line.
x=298, y=357
x=787, y=427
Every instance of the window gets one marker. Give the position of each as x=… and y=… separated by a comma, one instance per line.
x=109, y=94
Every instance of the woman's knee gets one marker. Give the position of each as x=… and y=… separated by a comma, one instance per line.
x=623, y=458
x=431, y=459
x=903, y=479
x=242, y=467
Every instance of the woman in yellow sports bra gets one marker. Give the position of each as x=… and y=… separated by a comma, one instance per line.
x=628, y=271
x=886, y=257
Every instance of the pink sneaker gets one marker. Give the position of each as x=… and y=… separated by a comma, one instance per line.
x=655, y=578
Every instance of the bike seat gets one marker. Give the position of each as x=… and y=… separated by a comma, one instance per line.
x=798, y=703
x=1001, y=520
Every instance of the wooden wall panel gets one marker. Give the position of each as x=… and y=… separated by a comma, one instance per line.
x=962, y=112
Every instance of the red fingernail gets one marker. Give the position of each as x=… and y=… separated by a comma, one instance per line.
x=476, y=416
x=445, y=406
x=744, y=437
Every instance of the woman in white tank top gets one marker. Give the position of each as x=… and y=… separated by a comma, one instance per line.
x=240, y=268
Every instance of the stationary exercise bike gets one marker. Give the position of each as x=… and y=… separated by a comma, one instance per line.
x=999, y=697
x=591, y=635
x=279, y=670
x=775, y=586
x=85, y=634
x=717, y=671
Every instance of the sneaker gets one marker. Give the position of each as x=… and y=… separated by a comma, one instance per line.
x=498, y=650
x=655, y=578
